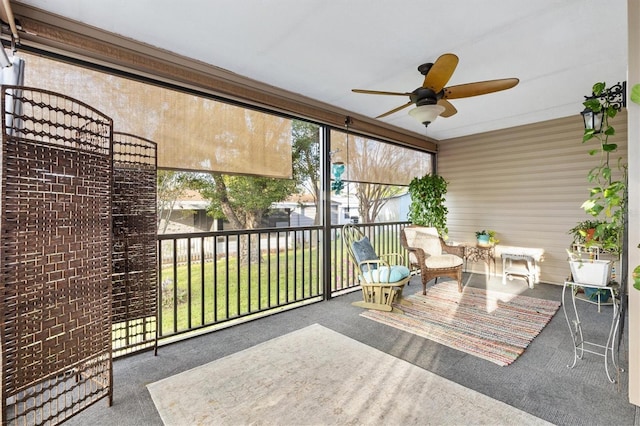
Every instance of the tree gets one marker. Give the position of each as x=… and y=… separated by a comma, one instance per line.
x=371, y=160
x=372, y=197
x=171, y=185
x=306, y=160
x=243, y=201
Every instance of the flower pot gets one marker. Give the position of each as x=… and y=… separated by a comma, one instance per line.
x=483, y=241
x=601, y=295
x=591, y=272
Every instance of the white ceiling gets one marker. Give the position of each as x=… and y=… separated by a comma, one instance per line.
x=324, y=48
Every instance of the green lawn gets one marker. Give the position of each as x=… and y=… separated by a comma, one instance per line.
x=226, y=290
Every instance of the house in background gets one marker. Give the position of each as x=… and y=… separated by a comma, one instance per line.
x=396, y=209
x=189, y=214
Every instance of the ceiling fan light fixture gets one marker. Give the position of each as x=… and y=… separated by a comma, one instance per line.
x=426, y=114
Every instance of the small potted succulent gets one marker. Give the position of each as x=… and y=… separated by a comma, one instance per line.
x=486, y=238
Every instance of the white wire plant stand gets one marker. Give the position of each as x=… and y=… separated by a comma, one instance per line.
x=580, y=345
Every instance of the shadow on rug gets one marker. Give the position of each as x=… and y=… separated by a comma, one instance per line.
x=491, y=325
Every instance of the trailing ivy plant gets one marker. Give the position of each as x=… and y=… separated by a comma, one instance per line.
x=427, y=202
x=608, y=196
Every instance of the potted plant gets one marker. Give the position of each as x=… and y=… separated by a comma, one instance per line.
x=427, y=202
x=589, y=270
x=585, y=232
x=486, y=238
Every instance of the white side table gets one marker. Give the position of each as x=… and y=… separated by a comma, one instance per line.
x=580, y=346
x=526, y=263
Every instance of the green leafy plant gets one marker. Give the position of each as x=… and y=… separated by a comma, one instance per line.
x=636, y=277
x=427, y=202
x=607, y=196
x=585, y=232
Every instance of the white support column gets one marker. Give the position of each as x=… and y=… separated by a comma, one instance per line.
x=633, y=117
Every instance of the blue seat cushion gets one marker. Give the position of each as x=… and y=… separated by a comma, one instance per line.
x=382, y=275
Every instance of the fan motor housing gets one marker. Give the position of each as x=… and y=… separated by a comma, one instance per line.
x=424, y=96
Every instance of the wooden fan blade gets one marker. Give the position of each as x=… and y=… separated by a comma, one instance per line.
x=479, y=88
x=449, y=109
x=378, y=92
x=440, y=72
x=395, y=110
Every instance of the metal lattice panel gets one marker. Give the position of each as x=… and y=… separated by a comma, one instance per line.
x=134, y=244
x=55, y=268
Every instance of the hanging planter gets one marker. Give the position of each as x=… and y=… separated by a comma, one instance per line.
x=427, y=206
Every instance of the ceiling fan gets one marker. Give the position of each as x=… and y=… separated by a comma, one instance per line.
x=431, y=99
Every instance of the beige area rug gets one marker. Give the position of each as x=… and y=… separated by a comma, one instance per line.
x=316, y=376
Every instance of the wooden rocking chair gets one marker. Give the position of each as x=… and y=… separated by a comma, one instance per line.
x=382, y=278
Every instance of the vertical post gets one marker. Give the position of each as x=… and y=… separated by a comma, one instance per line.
x=633, y=153
x=325, y=180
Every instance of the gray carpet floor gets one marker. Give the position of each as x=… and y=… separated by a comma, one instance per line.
x=538, y=382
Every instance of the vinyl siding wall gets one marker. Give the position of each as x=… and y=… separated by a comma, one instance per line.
x=527, y=183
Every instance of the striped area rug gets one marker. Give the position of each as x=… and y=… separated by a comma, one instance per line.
x=491, y=325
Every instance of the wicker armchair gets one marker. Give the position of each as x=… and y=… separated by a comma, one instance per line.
x=428, y=251
x=382, y=278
